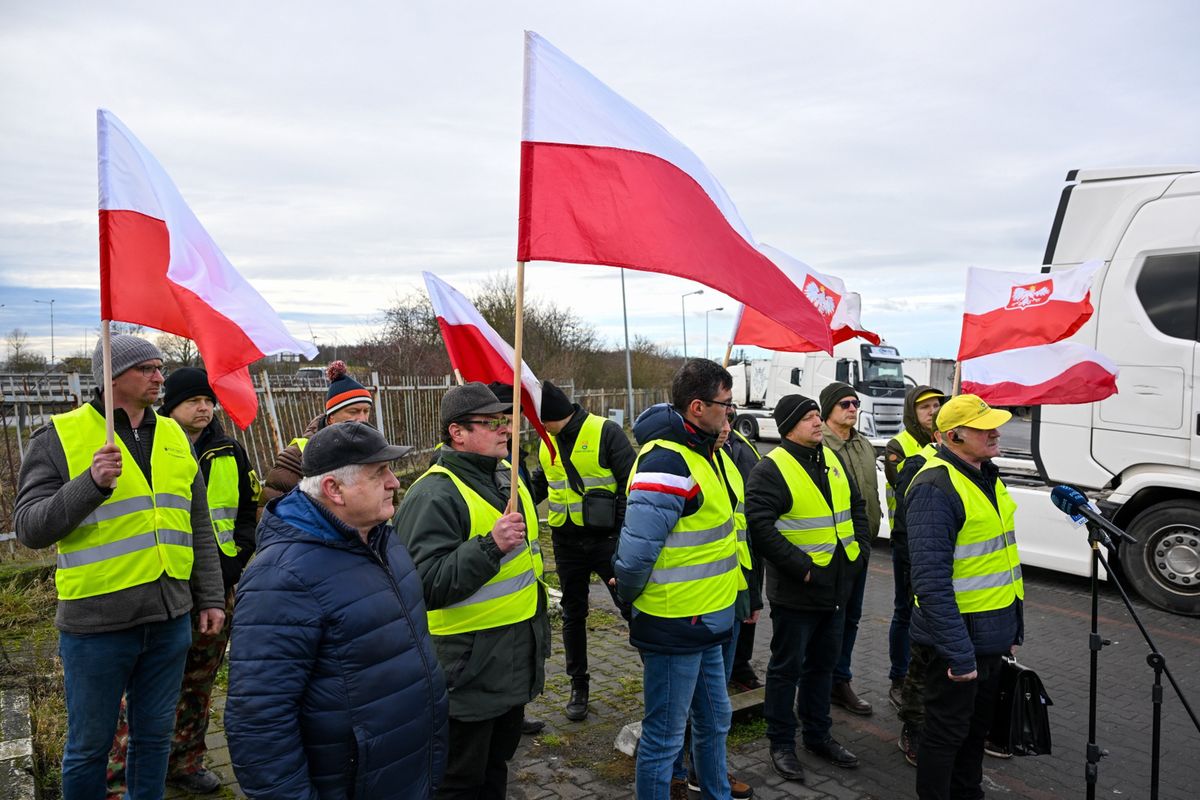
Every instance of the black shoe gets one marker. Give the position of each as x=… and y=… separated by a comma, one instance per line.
x=908, y=743
x=531, y=727
x=577, y=706
x=896, y=693
x=787, y=764
x=994, y=750
x=842, y=695
x=745, y=683
x=834, y=753
x=202, y=781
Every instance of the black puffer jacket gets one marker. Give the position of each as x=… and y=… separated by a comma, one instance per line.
x=934, y=515
x=767, y=499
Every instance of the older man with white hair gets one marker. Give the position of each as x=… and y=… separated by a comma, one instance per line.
x=334, y=688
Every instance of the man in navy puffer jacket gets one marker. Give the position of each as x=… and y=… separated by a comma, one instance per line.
x=334, y=688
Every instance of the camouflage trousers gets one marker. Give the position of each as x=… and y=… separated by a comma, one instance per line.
x=204, y=660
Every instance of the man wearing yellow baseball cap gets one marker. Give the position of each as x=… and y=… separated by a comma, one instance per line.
x=966, y=575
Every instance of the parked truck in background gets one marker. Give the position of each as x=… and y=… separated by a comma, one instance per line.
x=935, y=372
x=875, y=371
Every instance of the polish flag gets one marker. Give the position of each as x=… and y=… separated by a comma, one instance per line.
x=603, y=183
x=478, y=353
x=841, y=309
x=1006, y=310
x=160, y=268
x=1061, y=373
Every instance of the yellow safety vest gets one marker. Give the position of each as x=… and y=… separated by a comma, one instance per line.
x=739, y=515
x=300, y=442
x=563, y=501
x=223, y=499
x=908, y=444
x=750, y=444
x=512, y=593
x=810, y=523
x=987, y=566
x=137, y=534
x=697, y=570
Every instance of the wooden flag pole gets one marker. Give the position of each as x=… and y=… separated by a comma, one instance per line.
x=513, y=498
x=458, y=377
x=106, y=349
x=728, y=352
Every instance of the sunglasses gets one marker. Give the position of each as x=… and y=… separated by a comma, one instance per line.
x=494, y=424
x=846, y=404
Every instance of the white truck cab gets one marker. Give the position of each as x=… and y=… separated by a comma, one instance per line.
x=1137, y=452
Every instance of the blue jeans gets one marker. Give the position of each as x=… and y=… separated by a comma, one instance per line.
x=841, y=672
x=898, y=642
x=145, y=663
x=673, y=686
x=728, y=652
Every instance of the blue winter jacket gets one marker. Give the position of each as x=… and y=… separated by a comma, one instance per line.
x=334, y=689
x=934, y=515
x=652, y=510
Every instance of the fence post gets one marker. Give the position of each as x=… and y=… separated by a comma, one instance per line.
x=380, y=420
x=272, y=420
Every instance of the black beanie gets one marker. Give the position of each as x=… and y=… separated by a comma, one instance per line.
x=832, y=393
x=791, y=409
x=184, y=384
x=555, y=403
x=503, y=391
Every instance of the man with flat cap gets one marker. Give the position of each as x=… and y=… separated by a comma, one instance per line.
x=481, y=567
x=808, y=523
x=966, y=576
x=334, y=687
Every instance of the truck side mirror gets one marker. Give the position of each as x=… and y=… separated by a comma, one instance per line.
x=842, y=371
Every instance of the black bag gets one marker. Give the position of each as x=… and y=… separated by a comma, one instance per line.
x=1021, y=723
x=599, y=505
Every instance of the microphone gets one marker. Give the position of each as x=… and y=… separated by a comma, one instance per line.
x=1070, y=500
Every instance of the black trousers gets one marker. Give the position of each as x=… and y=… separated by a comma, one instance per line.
x=479, y=752
x=957, y=718
x=805, y=646
x=741, y=655
x=576, y=557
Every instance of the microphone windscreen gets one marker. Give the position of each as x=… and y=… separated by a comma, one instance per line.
x=1067, y=500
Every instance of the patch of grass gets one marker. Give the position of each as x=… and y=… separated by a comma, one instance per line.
x=746, y=732
x=557, y=683
x=48, y=716
x=27, y=600
x=221, y=682
x=551, y=579
x=552, y=740
x=629, y=692
x=598, y=619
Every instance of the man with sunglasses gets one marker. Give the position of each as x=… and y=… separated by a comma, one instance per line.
x=136, y=553
x=839, y=410
x=481, y=567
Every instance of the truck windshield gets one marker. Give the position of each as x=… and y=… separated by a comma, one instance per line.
x=878, y=372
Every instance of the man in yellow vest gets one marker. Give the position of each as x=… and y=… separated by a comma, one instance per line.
x=480, y=565
x=677, y=562
x=592, y=462
x=232, y=489
x=808, y=523
x=136, y=554
x=966, y=575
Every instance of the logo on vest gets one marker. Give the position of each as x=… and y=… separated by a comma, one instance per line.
x=583, y=446
x=836, y=472
x=1030, y=295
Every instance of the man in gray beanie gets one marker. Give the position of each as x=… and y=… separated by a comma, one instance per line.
x=136, y=553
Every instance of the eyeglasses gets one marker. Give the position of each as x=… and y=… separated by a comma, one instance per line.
x=148, y=369
x=847, y=404
x=728, y=406
x=493, y=424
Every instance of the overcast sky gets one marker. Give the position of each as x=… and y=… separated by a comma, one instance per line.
x=334, y=151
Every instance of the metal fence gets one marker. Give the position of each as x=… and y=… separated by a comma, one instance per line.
x=406, y=410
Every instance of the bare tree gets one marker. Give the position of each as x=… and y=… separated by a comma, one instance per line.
x=178, y=351
x=22, y=357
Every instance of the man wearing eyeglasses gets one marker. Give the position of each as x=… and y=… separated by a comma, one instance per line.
x=839, y=410
x=136, y=553
x=481, y=567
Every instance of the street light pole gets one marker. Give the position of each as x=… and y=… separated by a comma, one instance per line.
x=683, y=313
x=706, y=313
x=51, y=304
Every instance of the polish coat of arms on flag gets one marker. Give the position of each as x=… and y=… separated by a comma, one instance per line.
x=825, y=299
x=1030, y=295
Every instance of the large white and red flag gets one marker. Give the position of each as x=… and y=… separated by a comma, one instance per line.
x=1060, y=373
x=603, y=183
x=841, y=309
x=478, y=353
x=159, y=267
x=1006, y=310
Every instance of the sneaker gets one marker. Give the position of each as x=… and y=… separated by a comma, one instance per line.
x=737, y=789
x=202, y=781
x=679, y=789
x=908, y=744
x=896, y=693
x=995, y=750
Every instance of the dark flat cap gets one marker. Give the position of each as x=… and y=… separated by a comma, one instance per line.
x=471, y=398
x=346, y=443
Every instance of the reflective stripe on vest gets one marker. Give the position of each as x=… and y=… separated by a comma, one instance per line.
x=697, y=570
x=512, y=594
x=987, y=565
x=564, y=502
x=908, y=444
x=135, y=535
x=223, y=501
x=810, y=523
x=739, y=515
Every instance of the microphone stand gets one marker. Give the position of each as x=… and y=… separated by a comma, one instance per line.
x=1096, y=537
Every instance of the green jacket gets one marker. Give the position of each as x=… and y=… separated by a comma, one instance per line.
x=488, y=672
x=858, y=454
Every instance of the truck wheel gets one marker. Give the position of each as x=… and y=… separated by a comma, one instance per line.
x=1163, y=565
x=746, y=426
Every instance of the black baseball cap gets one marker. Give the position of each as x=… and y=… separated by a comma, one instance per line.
x=346, y=443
